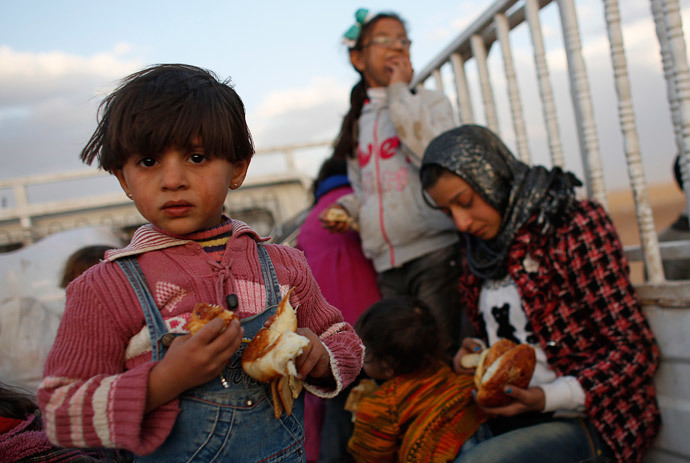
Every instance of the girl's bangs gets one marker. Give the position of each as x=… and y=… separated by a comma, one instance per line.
x=192, y=121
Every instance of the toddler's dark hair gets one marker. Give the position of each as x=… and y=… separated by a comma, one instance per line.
x=16, y=403
x=330, y=167
x=169, y=105
x=402, y=332
x=81, y=260
x=346, y=142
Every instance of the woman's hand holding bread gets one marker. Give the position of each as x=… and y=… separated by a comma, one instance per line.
x=501, y=374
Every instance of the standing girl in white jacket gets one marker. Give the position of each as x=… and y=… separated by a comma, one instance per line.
x=383, y=136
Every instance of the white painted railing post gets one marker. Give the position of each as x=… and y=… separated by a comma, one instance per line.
x=22, y=205
x=466, y=113
x=669, y=29
x=438, y=79
x=480, y=55
x=516, y=113
x=545, y=90
x=667, y=64
x=645, y=220
x=582, y=103
x=290, y=160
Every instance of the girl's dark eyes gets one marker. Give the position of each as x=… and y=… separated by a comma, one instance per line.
x=147, y=162
x=197, y=158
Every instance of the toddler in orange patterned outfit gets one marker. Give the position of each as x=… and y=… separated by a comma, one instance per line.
x=422, y=411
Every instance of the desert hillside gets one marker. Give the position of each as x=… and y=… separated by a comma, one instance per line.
x=666, y=200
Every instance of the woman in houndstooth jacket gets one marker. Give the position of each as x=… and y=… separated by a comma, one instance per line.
x=546, y=269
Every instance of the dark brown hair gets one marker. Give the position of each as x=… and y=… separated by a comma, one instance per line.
x=330, y=167
x=16, y=403
x=169, y=105
x=346, y=142
x=80, y=261
x=401, y=332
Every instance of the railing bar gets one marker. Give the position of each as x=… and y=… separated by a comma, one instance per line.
x=22, y=202
x=479, y=52
x=513, y=89
x=678, y=78
x=545, y=90
x=51, y=178
x=645, y=219
x=438, y=79
x=667, y=64
x=285, y=148
x=466, y=113
x=30, y=180
x=289, y=159
x=483, y=23
x=667, y=250
x=582, y=103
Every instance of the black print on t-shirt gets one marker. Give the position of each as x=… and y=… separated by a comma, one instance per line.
x=531, y=338
x=502, y=317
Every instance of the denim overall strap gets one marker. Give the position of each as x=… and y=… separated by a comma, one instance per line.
x=233, y=421
x=270, y=277
x=153, y=317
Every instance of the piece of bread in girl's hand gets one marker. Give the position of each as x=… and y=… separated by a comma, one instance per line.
x=470, y=361
x=504, y=363
x=270, y=356
x=365, y=388
x=272, y=352
x=336, y=214
x=203, y=313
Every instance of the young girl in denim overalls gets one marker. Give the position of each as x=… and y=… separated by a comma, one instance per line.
x=124, y=372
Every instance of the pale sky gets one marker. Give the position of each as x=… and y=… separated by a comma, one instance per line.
x=288, y=64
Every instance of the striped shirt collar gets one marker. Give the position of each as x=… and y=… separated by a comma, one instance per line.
x=149, y=238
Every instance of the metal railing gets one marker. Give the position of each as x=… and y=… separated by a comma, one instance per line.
x=496, y=24
x=20, y=219
x=665, y=303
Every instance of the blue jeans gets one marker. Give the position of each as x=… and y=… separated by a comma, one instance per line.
x=557, y=441
x=482, y=434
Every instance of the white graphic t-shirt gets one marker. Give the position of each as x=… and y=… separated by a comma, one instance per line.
x=501, y=309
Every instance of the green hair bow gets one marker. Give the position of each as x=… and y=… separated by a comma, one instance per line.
x=362, y=16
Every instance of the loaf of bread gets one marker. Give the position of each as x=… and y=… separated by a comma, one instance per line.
x=504, y=363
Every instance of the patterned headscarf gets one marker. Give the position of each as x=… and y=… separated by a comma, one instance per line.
x=516, y=190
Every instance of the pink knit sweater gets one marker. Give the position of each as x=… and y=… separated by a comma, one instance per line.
x=93, y=391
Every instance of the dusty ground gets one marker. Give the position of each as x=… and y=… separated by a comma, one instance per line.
x=666, y=200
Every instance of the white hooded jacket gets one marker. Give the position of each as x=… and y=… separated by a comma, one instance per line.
x=394, y=129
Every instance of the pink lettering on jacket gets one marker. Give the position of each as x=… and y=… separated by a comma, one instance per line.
x=389, y=147
x=364, y=157
x=394, y=180
x=387, y=150
x=390, y=180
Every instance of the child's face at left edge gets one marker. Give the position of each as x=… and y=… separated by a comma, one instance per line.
x=181, y=190
x=375, y=368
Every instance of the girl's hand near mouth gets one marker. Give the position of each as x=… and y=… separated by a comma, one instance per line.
x=400, y=69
